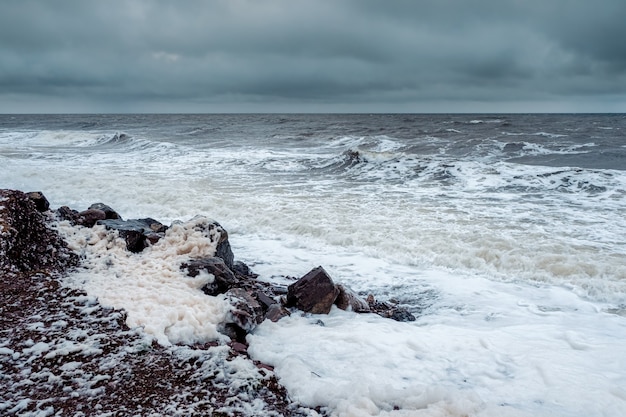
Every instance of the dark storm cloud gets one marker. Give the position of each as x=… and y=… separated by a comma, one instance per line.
x=290, y=55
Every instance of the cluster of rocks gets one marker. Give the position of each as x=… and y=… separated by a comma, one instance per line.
x=61, y=353
x=253, y=300
x=27, y=245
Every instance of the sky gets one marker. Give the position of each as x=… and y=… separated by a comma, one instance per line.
x=415, y=56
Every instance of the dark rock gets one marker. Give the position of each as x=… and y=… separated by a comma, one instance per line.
x=136, y=231
x=147, y=225
x=108, y=211
x=224, y=251
x=135, y=241
x=66, y=213
x=279, y=289
x=276, y=312
x=27, y=244
x=313, y=293
x=208, y=228
x=246, y=313
x=388, y=310
x=234, y=332
x=349, y=300
x=224, y=277
x=241, y=268
x=153, y=237
x=265, y=300
x=401, y=314
x=88, y=218
x=239, y=347
x=40, y=200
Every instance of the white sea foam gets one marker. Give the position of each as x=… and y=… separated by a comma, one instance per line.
x=484, y=350
x=150, y=285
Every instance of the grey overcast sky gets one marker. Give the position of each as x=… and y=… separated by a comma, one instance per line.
x=312, y=56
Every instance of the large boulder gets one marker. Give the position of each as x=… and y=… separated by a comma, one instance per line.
x=314, y=293
x=27, y=244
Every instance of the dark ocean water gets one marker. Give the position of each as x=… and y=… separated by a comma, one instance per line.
x=580, y=140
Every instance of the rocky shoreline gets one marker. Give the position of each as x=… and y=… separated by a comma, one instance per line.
x=62, y=353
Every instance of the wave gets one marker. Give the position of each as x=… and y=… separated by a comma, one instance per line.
x=372, y=159
x=119, y=139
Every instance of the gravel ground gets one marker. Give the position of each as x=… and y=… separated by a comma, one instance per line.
x=61, y=353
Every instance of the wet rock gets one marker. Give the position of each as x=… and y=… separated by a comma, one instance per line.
x=224, y=277
x=265, y=300
x=27, y=244
x=66, y=213
x=40, y=200
x=88, y=218
x=276, y=312
x=241, y=268
x=388, y=310
x=351, y=301
x=246, y=313
x=135, y=232
x=108, y=211
x=279, y=289
x=314, y=293
x=238, y=347
x=223, y=249
x=401, y=314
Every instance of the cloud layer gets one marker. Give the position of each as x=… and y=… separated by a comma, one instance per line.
x=323, y=55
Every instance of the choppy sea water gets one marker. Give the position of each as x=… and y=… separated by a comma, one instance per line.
x=504, y=234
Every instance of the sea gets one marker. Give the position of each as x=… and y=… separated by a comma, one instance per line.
x=503, y=234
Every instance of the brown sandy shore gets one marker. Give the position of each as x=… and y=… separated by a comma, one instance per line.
x=61, y=353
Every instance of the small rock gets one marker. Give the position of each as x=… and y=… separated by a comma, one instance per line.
x=349, y=300
x=243, y=269
x=224, y=277
x=314, y=293
x=276, y=312
x=88, y=218
x=135, y=231
x=239, y=347
x=224, y=251
x=265, y=300
x=108, y=211
x=401, y=314
x=247, y=312
x=40, y=200
x=389, y=311
x=66, y=213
